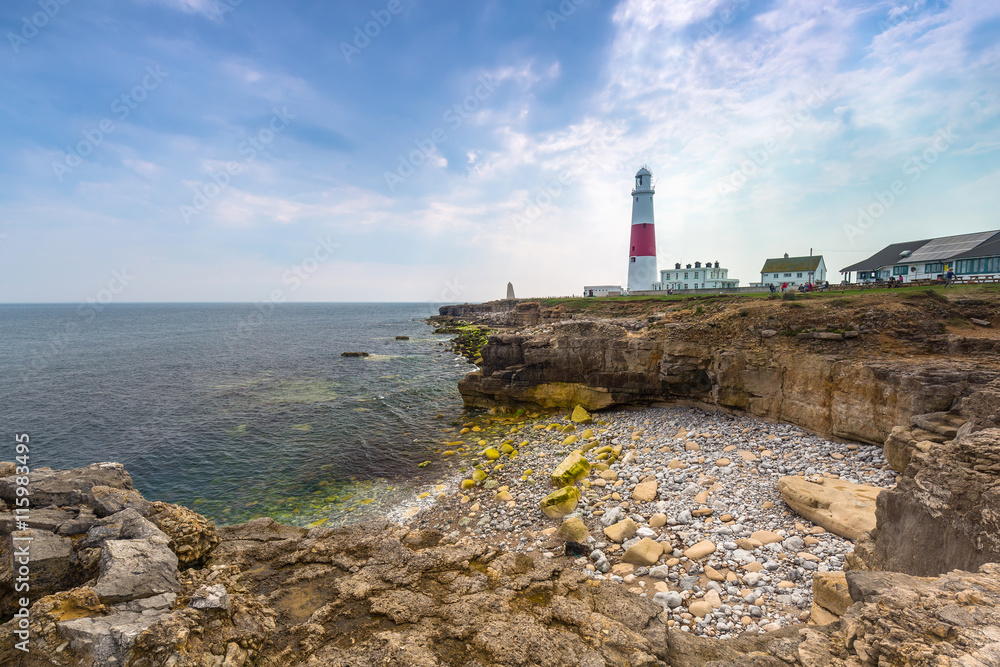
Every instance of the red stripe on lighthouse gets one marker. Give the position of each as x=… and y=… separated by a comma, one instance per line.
x=643, y=242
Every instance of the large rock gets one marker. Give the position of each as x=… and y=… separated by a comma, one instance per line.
x=700, y=550
x=830, y=593
x=67, y=488
x=133, y=569
x=560, y=502
x=573, y=529
x=645, y=491
x=841, y=507
x=48, y=557
x=107, y=500
x=581, y=416
x=106, y=641
x=571, y=470
x=944, y=513
x=621, y=531
x=192, y=536
x=644, y=553
x=125, y=525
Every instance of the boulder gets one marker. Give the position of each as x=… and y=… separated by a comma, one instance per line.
x=106, y=500
x=830, y=592
x=560, y=502
x=125, y=525
x=50, y=559
x=621, y=531
x=45, y=519
x=841, y=507
x=573, y=529
x=581, y=416
x=66, y=488
x=645, y=491
x=105, y=641
x=133, y=569
x=700, y=550
x=644, y=553
x=572, y=469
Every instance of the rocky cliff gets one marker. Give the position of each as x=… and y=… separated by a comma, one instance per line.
x=265, y=594
x=944, y=513
x=852, y=368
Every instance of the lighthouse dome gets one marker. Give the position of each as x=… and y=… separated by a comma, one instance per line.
x=643, y=181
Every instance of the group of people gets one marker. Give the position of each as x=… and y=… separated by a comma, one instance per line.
x=821, y=286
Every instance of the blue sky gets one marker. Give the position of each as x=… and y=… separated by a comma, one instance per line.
x=218, y=150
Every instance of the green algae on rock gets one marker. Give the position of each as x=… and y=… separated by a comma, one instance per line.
x=561, y=502
x=572, y=469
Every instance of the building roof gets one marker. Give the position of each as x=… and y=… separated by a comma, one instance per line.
x=779, y=264
x=643, y=171
x=989, y=248
x=942, y=249
x=886, y=256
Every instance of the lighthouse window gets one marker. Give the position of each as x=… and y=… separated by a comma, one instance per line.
x=644, y=225
x=632, y=259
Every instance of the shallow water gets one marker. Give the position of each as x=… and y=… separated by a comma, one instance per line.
x=233, y=410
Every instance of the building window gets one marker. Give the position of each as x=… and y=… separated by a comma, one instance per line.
x=775, y=275
x=696, y=275
x=798, y=275
x=934, y=268
x=685, y=285
x=981, y=265
x=788, y=275
x=900, y=270
x=685, y=276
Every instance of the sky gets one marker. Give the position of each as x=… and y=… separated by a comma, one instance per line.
x=404, y=150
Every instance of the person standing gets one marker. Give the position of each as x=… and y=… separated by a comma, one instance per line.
x=949, y=277
x=784, y=286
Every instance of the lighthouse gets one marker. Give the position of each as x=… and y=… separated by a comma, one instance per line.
x=642, y=247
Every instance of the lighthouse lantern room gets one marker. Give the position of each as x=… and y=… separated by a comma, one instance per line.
x=642, y=246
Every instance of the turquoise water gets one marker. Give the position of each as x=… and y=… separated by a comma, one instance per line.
x=234, y=410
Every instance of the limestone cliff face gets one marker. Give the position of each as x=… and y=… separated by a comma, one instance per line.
x=815, y=384
x=944, y=514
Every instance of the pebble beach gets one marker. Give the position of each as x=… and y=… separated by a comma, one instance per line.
x=703, y=485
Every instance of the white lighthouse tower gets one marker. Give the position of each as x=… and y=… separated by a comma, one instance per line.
x=642, y=247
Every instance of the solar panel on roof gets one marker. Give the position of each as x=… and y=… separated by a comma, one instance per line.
x=949, y=246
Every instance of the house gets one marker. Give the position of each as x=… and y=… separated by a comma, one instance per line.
x=602, y=290
x=793, y=270
x=966, y=254
x=711, y=276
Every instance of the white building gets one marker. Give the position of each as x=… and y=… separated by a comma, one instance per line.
x=793, y=270
x=642, y=248
x=710, y=276
x=602, y=290
x=966, y=254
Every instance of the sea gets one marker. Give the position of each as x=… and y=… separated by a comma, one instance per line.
x=236, y=410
